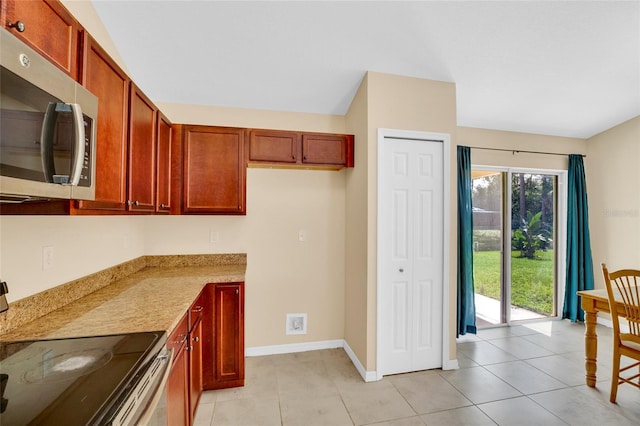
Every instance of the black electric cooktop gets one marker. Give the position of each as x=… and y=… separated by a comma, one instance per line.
x=75, y=381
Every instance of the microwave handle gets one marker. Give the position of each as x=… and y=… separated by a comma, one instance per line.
x=46, y=142
x=79, y=140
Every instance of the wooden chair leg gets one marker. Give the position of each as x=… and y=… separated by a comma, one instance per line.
x=614, y=376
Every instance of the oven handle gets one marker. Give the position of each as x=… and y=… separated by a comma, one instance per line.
x=147, y=414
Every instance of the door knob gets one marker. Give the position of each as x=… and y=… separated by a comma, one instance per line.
x=401, y=270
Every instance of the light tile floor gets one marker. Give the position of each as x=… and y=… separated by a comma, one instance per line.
x=530, y=374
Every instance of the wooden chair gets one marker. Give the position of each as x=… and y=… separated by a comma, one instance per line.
x=625, y=285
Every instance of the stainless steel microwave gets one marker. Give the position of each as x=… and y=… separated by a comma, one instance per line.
x=48, y=124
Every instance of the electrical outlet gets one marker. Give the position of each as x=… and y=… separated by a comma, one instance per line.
x=214, y=237
x=47, y=257
x=302, y=235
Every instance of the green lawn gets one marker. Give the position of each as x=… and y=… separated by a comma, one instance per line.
x=531, y=282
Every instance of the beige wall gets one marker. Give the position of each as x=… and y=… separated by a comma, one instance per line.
x=394, y=102
x=495, y=139
x=82, y=246
x=613, y=187
x=357, y=218
x=284, y=275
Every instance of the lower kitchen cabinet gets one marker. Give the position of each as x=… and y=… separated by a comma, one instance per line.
x=208, y=349
x=224, y=359
x=197, y=313
x=178, y=381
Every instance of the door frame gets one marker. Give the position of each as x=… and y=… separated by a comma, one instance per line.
x=445, y=139
x=561, y=225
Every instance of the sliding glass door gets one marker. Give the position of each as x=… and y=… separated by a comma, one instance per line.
x=515, y=259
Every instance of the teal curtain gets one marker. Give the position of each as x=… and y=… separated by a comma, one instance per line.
x=466, y=304
x=579, y=262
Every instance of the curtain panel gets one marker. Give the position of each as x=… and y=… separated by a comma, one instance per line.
x=466, y=314
x=579, y=263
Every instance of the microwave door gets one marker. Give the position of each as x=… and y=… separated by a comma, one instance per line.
x=62, y=167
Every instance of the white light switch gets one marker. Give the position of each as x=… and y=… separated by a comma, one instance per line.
x=47, y=257
x=214, y=236
x=302, y=235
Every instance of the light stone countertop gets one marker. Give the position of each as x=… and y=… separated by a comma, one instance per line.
x=151, y=299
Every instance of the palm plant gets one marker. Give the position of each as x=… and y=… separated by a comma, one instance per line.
x=531, y=236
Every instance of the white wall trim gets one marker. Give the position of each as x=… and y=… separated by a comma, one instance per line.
x=367, y=376
x=293, y=347
x=445, y=139
x=450, y=364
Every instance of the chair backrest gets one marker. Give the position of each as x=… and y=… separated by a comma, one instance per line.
x=624, y=285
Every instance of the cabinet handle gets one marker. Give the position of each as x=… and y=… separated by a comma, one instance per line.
x=196, y=339
x=133, y=203
x=18, y=25
x=304, y=158
x=239, y=207
x=197, y=309
x=163, y=206
x=237, y=291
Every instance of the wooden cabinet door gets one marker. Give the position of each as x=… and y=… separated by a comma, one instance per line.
x=273, y=146
x=102, y=77
x=142, y=152
x=228, y=307
x=325, y=149
x=48, y=28
x=214, y=170
x=163, y=174
x=195, y=368
x=177, y=391
x=178, y=380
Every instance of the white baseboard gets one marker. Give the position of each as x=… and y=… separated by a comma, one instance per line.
x=367, y=376
x=293, y=347
x=450, y=364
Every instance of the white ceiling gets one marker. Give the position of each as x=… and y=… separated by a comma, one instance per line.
x=557, y=68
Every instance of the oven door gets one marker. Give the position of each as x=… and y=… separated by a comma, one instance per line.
x=146, y=404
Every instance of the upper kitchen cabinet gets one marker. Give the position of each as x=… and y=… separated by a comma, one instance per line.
x=111, y=85
x=47, y=27
x=288, y=149
x=142, y=152
x=273, y=146
x=327, y=150
x=163, y=166
x=213, y=170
